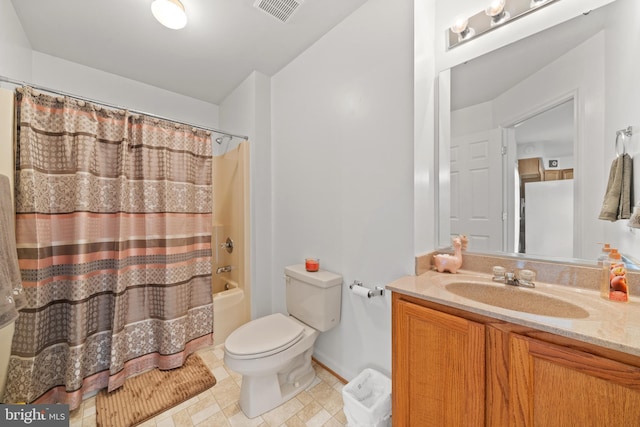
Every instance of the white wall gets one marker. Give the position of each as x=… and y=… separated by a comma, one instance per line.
x=343, y=172
x=623, y=109
x=425, y=153
x=247, y=111
x=76, y=79
x=15, y=50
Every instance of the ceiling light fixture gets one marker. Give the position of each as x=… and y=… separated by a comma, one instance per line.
x=169, y=13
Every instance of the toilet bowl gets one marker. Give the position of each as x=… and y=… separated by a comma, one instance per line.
x=273, y=353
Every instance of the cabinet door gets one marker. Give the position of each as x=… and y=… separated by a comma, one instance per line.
x=555, y=386
x=438, y=368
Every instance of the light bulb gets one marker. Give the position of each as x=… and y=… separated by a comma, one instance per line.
x=495, y=8
x=169, y=13
x=461, y=28
x=460, y=25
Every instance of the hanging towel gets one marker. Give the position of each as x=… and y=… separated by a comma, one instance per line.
x=12, y=297
x=617, y=198
x=626, y=194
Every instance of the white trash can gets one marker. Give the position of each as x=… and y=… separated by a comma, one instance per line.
x=367, y=400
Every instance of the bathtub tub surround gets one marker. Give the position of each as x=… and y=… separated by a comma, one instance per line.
x=114, y=243
x=231, y=285
x=273, y=353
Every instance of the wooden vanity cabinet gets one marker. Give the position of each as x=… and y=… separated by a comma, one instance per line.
x=433, y=348
x=555, y=386
x=455, y=368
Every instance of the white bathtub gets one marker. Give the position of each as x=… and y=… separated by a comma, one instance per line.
x=228, y=311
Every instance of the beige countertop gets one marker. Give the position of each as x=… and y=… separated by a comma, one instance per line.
x=609, y=324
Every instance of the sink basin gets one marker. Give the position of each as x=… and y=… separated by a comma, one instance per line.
x=518, y=299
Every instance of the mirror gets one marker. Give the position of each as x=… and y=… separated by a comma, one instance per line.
x=530, y=141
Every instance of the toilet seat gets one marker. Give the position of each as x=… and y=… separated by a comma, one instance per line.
x=263, y=337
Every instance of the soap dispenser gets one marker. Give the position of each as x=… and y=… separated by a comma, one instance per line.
x=605, y=265
x=618, y=287
x=604, y=253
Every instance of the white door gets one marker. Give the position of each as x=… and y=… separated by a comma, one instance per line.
x=476, y=189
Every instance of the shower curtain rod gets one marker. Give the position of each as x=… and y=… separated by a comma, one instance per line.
x=105, y=104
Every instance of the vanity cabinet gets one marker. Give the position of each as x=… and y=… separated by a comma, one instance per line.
x=552, y=385
x=429, y=348
x=456, y=368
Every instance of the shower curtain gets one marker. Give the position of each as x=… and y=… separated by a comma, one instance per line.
x=113, y=232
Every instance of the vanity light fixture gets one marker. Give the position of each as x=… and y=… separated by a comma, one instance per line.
x=496, y=14
x=169, y=13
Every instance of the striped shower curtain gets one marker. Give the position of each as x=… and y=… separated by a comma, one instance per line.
x=114, y=245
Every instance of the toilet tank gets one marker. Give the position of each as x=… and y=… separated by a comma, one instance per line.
x=313, y=297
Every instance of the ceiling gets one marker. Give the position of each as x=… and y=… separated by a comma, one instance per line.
x=552, y=130
x=223, y=42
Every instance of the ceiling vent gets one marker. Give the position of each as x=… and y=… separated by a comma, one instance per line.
x=282, y=10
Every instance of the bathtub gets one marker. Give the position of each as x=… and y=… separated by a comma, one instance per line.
x=228, y=311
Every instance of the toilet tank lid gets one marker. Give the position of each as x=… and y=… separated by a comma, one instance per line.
x=321, y=278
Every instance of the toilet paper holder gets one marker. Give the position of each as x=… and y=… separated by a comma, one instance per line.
x=378, y=291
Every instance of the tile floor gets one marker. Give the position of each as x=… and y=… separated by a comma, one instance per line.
x=319, y=405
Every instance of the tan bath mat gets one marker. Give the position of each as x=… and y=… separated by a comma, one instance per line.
x=146, y=395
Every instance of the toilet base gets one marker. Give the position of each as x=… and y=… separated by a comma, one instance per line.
x=260, y=394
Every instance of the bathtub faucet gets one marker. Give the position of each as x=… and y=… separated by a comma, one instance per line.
x=223, y=269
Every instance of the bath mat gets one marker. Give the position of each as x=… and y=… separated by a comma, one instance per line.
x=146, y=395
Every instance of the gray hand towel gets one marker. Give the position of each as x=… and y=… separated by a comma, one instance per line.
x=11, y=294
x=611, y=201
x=618, y=197
x=624, y=209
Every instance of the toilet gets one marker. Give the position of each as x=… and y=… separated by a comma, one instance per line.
x=273, y=353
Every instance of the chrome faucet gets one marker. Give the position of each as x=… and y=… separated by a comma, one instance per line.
x=524, y=278
x=224, y=269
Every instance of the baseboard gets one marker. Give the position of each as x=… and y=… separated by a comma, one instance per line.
x=331, y=371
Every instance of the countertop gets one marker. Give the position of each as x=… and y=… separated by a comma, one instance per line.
x=613, y=325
